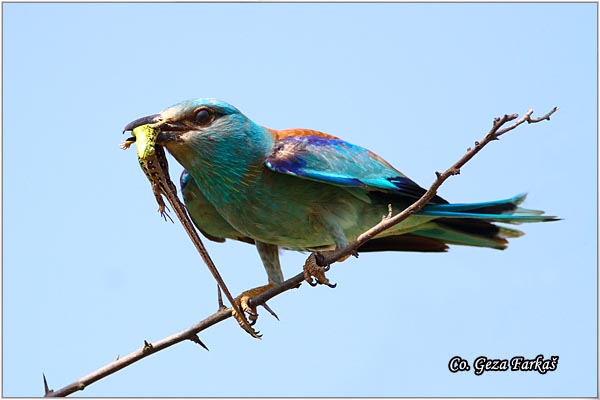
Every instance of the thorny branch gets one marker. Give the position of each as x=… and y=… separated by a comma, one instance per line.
x=191, y=333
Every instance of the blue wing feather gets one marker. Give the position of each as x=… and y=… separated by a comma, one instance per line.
x=340, y=163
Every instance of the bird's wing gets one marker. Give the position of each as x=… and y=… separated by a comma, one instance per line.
x=328, y=159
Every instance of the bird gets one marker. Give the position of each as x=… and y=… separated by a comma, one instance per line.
x=306, y=190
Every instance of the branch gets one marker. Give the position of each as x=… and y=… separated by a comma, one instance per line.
x=498, y=129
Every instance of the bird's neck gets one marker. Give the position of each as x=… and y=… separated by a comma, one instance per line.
x=224, y=161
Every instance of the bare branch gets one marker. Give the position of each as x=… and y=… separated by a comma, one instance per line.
x=145, y=351
x=223, y=313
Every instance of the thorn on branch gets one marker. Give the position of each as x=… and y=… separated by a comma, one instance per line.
x=220, y=299
x=194, y=338
x=147, y=346
x=266, y=307
x=118, y=356
x=47, y=390
x=438, y=174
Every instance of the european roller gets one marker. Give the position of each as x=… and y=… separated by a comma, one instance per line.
x=306, y=190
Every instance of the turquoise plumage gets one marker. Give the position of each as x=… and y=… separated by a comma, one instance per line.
x=305, y=190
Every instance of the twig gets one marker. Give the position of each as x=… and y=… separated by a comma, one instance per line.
x=294, y=282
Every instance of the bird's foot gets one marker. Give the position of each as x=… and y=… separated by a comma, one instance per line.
x=314, y=268
x=243, y=300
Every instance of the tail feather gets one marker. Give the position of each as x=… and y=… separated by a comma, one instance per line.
x=507, y=211
x=502, y=205
x=406, y=242
x=463, y=224
x=513, y=218
x=465, y=238
x=470, y=232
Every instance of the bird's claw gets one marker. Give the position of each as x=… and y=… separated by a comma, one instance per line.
x=241, y=319
x=313, y=269
x=243, y=300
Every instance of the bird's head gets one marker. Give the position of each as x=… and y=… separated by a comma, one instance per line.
x=202, y=133
x=188, y=120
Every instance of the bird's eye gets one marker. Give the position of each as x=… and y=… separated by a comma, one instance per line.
x=204, y=116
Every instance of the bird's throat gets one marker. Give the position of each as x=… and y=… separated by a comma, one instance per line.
x=223, y=169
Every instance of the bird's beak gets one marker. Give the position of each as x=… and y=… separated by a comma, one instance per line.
x=169, y=131
x=150, y=119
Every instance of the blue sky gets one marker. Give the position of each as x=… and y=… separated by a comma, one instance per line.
x=416, y=83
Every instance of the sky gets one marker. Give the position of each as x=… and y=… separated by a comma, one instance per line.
x=90, y=270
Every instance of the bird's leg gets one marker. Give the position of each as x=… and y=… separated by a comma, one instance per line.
x=269, y=255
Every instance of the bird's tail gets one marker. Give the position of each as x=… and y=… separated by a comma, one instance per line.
x=470, y=224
